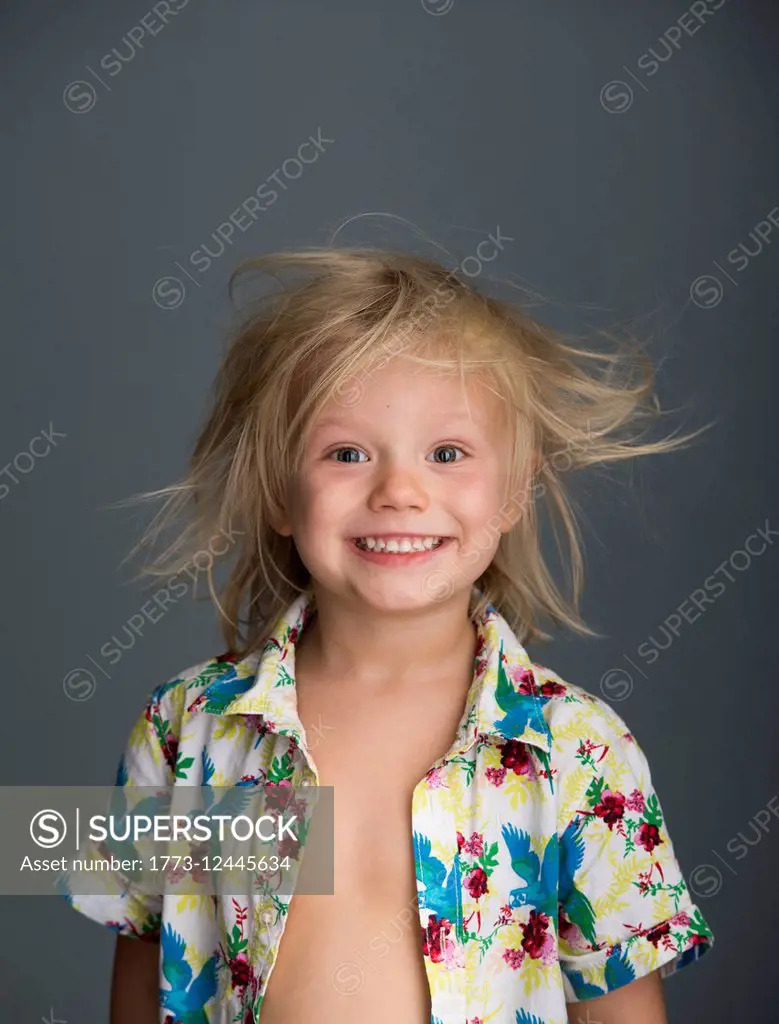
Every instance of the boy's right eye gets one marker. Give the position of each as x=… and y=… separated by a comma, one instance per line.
x=348, y=449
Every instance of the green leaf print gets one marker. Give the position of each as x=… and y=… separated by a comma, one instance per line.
x=468, y=766
x=652, y=812
x=236, y=943
x=212, y=671
x=285, y=678
x=161, y=727
x=182, y=764
x=489, y=859
x=594, y=791
x=281, y=769
x=279, y=905
x=631, y=827
x=699, y=926
x=152, y=924
x=484, y=941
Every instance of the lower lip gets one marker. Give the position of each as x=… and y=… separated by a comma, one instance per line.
x=406, y=558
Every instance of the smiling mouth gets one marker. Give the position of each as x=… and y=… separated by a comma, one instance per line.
x=402, y=546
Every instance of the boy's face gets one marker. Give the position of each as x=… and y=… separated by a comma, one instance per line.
x=405, y=459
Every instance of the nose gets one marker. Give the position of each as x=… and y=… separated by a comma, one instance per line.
x=397, y=487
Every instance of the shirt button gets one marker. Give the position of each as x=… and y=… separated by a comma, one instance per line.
x=305, y=782
x=266, y=916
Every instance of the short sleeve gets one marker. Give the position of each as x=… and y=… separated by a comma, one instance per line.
x=149, y=759
x=624, y=906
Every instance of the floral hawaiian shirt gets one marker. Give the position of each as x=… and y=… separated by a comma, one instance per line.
x=545, y=871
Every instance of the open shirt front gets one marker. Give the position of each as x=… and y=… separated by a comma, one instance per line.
x=545, y=871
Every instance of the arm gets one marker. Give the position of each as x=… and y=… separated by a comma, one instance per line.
x=135, y=992
x=625, y=911
x=640, y=1002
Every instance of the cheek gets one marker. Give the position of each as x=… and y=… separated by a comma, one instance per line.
x=479, y=501
x=320, y=504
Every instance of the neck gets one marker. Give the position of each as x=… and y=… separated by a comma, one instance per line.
x=385, y=650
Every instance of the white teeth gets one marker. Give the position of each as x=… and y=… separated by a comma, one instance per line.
x=403, y=546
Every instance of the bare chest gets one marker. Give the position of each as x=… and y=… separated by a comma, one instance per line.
x=357, y=954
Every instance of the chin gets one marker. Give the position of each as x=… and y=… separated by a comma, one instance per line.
x=422, y=595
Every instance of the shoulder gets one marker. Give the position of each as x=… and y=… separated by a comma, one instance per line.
x=593, y=748
x=151, y=753
x=568, y=706
x=166, y=705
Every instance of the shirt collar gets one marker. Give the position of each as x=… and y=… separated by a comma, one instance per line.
x=504, y=700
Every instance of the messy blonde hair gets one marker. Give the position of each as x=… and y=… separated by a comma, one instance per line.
x=354, y=310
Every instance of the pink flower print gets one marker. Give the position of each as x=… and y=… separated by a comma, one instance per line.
x=611, y=807
x=514, y=958
x=514, y=755
x=538, y=942
x=475, y=845
x=496, y=775
x=454, y=956
x=434, y=938
x=435, y=779
x=658, y=932
x=648, y=836
x=681, y=920
x=524, y=680
x=635, y=802
x=175, y=874
x=552, y=689
x=240, y=970
x=570, y=933
x=476, y=883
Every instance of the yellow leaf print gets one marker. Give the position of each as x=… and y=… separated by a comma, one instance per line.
x=191, y=902
x=230, y=728
x=519, y=788
x=138, y=740
x=535, y=974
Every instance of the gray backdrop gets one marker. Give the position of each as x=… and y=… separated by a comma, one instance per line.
x=630, y=154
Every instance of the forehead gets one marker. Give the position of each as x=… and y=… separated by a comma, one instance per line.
x=397, y=391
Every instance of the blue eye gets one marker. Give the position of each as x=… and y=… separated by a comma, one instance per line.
x=451, y=448
x=337, y=450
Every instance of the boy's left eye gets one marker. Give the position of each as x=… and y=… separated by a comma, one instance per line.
x=449, y=448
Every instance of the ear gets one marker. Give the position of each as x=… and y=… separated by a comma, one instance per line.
x=280, y=524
